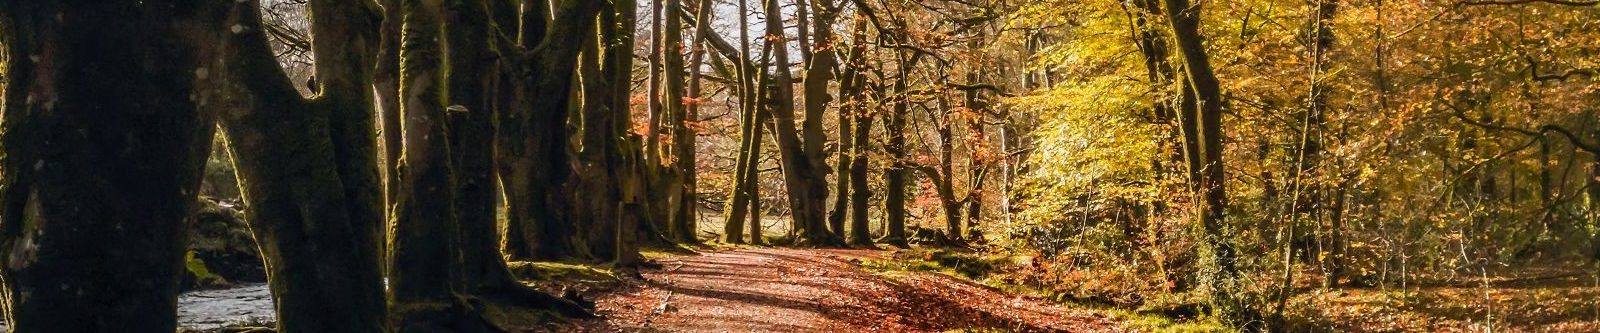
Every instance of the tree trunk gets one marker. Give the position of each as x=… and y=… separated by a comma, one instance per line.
x=443, y=250
x=841, y=170
x=674, y=114
x=1312, y=137
x=687, y=149
x=423, y=256
x=763, y=123
x=386, y=84
x=531, y=30
x=978, y=106
x=1204, y=111
x=533, y=139
x=733, y=227
x=944, y=177
x=471, y=131
x=801, y=174
x=860, y=192
x=652, y=134
x=617, y=22
x=1593, y=184
x=600, y=194
x=850, y=108
x=102, y=167
x=821, y=62
x=895, y=177
x=314, y=199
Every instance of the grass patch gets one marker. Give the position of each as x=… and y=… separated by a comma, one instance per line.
x=659, y=252
x=567, y=272
x=961, y=264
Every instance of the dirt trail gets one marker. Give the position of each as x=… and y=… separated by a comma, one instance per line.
x=798, y=290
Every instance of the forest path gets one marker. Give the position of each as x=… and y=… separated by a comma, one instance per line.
x=811, y=290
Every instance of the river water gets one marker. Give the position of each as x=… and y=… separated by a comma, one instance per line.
x=209, y=309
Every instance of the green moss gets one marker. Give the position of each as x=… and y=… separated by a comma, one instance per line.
x=202, y=275
x=657, y=252
x=513, y=315
x=1155, y=323
x=955, y=263
x=556, y=271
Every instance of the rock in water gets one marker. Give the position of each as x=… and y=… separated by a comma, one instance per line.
x=221, y=248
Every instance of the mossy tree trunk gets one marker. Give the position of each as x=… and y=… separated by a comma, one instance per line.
x=423, y=256
x=739, y=201
x=744, y=200
x=472, y=88
x=740, y=198
x=860, y=190
x=104, y=149
x=617, y=24
x=597, y=192
x=314, y=198
x=444, y=250
x=533, y=138
x=386, y=84
x=680, y=224
x=753, y=169
x=604, y=170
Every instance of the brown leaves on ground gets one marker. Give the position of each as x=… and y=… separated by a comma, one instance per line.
x=799, y=290
x=1528, y=300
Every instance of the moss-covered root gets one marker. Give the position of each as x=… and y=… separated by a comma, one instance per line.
x=527, y=297
x=452, y=317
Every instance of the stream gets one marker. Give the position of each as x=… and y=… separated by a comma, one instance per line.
x=209, y=309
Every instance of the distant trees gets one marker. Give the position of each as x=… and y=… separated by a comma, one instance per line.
x=1107, y=133
x=1321, y=126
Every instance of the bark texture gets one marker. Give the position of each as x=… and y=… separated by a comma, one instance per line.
x=533, y=139
x=1201, y=114
x=808, y=190
x=103, y=154
x=314, y=198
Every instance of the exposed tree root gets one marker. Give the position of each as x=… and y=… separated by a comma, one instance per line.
x=518, y=295
x=458, y=316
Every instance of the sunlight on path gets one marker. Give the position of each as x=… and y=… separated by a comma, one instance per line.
x=793, y=290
